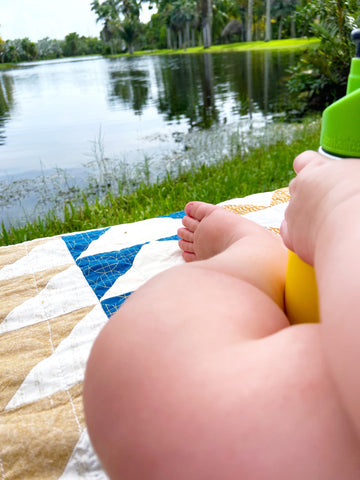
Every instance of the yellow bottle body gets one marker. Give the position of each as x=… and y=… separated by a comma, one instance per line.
x=301, y=293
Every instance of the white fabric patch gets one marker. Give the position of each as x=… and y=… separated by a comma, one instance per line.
x=127, y=235
x=43, y=257
x=66, y=366
x=84, y=463
x=65, y=292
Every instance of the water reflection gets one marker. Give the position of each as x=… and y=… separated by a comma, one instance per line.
x=6, y=103
x=129, y=87
x=143, y=106
x=202, y=88
x=194, y=90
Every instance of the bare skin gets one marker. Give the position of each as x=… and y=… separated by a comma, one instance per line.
x=200, y=377
x=325, y=196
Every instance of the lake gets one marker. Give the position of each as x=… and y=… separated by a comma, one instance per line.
x=65, y=121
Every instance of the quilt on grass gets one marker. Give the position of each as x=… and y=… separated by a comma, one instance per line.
x=56, y=295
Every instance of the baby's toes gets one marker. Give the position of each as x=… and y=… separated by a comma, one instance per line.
x=186, y=246
x=186, y=234
x=190, y=223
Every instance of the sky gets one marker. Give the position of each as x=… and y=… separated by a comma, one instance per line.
x=37, y=19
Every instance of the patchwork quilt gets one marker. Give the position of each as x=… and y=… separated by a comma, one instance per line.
x=56, y=295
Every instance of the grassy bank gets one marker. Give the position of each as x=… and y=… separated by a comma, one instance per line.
x=7, y=66
x=264, y=168
x=291, y=43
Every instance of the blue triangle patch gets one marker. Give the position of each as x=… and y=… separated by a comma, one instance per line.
x=101, y=271
x=79, y=242
x=111, y=305
x=180, y=214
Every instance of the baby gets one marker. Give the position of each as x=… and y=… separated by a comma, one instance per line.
x=199, y=375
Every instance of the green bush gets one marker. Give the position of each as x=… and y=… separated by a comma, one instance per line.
x=320, y=76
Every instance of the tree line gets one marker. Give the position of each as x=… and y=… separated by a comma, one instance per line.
x=185, y=23
x=176, y=24
x=23, y=50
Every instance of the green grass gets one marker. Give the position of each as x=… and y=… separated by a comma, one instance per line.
x=7, y=66
x=264, y=168
x=287, y=44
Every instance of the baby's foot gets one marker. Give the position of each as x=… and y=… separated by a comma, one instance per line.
x=209, y=230
x=235, y=246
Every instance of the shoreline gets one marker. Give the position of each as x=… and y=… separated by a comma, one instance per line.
x=285, y=44
x=250, y=170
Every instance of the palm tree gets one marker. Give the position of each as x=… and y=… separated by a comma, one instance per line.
x=268, y=20
x=249, y=20
x=281, y=10
x=206, y=14
x=110, y=11
x=129, y=32
x=179, y=17
x=107, y=13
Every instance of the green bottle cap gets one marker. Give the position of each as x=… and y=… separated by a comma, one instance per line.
x=340, y=133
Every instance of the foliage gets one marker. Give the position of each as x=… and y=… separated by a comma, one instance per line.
x=321, y=75
x=173, y=14
x=175, y=24
x=154, y=33
x=129, y=32
x=282, y=10
x=2, y=50
x=47, y=48
x=120, y=21
x=22, y=50
x=74, y=45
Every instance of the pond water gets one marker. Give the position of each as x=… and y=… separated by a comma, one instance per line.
x=77, y=115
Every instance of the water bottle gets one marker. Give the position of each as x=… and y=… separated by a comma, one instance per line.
x=339, y=139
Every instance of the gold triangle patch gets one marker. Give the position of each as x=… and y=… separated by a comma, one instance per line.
x=21, y=350
x=244, y=209
x=11, y=254
x=16, y=291
x=281, y=195
x=37, y=440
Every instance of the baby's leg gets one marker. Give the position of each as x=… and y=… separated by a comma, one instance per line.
x=235, y=246
x=196, y=378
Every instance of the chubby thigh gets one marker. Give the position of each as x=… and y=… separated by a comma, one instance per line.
x=175, y=391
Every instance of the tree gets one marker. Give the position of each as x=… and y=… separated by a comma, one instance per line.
x=281, y=10
x=71, y=46
x=320, y=77
x=120, y=19
x=206, y=14
x=29, y=49
x=268, y=20
x=2, y=50
x=14, y=51
x=183, y=14
x=47, y=48
x=181, y=20
x=249, y=23
x=108, y=14
x=129, y=32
